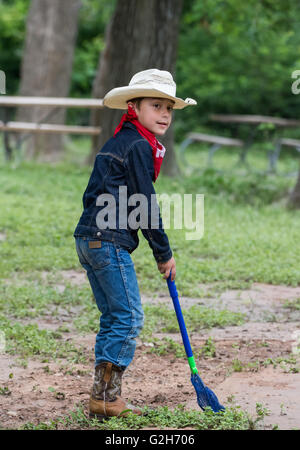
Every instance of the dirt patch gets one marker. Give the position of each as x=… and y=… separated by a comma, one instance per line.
x=40, y=392
x=273, y=388
x=64, y=277
x=73, y=276
x=250, y=365
x=45, y=391
x=263, y=302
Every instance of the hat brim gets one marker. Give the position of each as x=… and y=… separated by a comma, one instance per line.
x=117, y=98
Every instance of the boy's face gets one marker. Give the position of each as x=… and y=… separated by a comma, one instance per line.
x=155, y=114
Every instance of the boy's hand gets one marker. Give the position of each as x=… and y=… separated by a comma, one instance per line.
x=166, y=267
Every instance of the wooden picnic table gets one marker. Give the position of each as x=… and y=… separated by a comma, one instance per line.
x=254, y=121
x=51, y=105
x=11, y=101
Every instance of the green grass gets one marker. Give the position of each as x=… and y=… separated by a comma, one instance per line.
x=39, y=204
x=249, y=235
x=233, y=418
x=159, y=318
x=292, y=304
x=287, y=364
x=167, y=345
x=34, y=298
x=29, y=340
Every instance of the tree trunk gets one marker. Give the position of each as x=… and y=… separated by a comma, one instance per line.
x=46, y=68
x=141, y=35
x=294, y=200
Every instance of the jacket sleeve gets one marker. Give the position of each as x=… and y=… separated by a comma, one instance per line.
x=140, y=171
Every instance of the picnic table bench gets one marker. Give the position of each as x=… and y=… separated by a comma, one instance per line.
x=254, y=119
x=216, y=141
x=294, y=143
x=253, y=122
x=26, y=128
x=48, y=128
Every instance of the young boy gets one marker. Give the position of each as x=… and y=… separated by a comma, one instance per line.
x=124, y=168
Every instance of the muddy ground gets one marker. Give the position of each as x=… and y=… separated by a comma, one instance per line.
x=271, y=331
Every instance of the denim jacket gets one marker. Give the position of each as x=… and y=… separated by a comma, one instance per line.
x=124, y=161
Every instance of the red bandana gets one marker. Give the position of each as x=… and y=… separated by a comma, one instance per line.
x=158, y=150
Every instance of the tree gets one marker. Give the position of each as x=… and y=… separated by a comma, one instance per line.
x=142, y=34
x=46, y=66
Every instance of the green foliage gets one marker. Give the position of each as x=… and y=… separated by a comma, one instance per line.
x=159, y=318
x=93, y=19
x=50, y=241
x=252, y=189
x=12, y=36
x=30, y=340
x=233, y=418
x=293, y=304
x=33, y=298
x=237, y=365
x=237, y=57
x=209, y=349
x=5, y=391
x=282, y=362
x=246, y=238
x=165, y=346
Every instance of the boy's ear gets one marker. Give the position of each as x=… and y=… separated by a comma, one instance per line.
x=133, y=105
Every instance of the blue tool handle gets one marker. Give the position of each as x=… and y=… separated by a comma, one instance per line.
x=184, y=334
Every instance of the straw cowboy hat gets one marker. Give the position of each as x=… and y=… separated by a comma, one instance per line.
x=148, y=83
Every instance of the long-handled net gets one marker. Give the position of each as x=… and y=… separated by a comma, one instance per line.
x=205, y=396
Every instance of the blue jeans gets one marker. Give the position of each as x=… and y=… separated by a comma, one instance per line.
x=112, y=277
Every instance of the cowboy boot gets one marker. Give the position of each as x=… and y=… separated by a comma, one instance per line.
x=105, y=398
